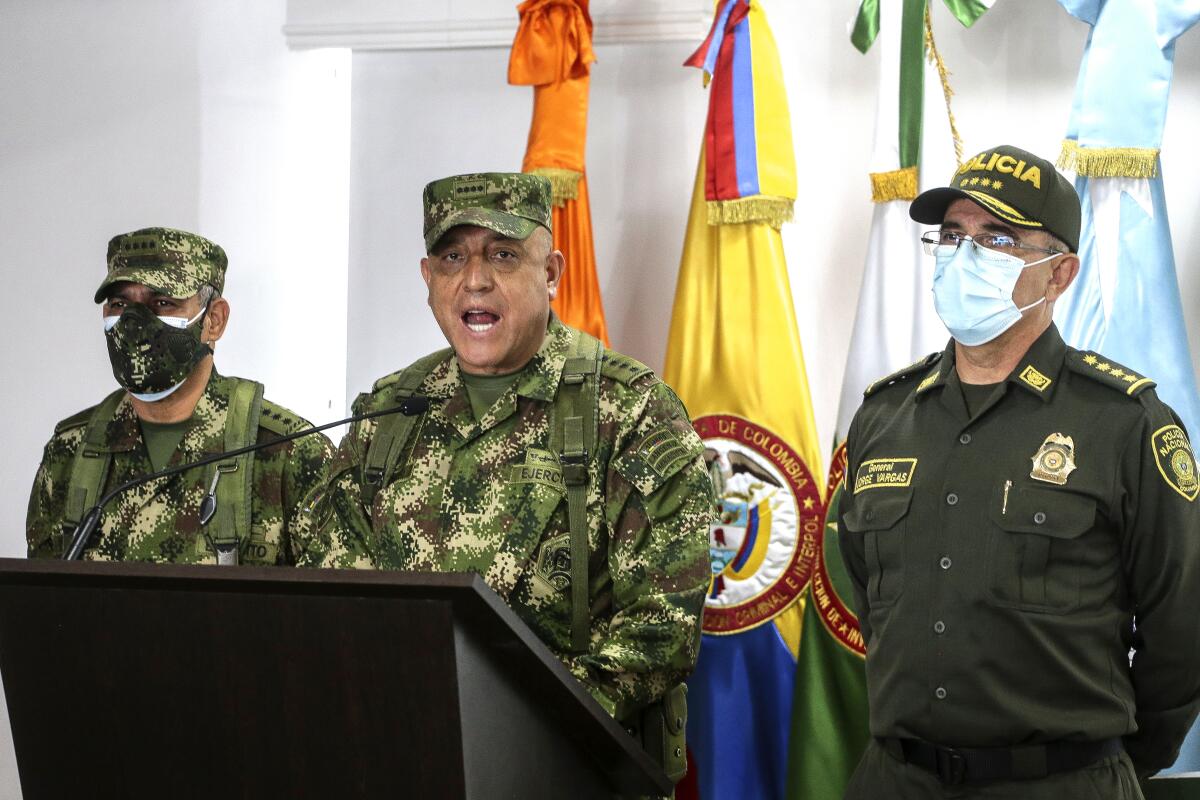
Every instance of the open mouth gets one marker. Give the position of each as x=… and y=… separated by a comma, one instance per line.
x=480, y=321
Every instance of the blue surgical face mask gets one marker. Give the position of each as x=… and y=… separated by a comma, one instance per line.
x=973, y=291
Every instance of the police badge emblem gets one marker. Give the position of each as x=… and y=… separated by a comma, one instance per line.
x=1054, y=460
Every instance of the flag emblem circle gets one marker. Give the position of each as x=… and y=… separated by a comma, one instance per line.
x=763, y=546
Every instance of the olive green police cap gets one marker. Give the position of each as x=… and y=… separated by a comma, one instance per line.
x=1014, y=185
x=512, y=204
x=171, y=262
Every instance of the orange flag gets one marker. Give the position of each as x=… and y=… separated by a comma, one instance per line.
x=551, y=52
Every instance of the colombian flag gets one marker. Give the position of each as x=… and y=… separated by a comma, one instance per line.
x=735, y=359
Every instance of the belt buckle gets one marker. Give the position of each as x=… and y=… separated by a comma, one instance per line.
x=951, y=766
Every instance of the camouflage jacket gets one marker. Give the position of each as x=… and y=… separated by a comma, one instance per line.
x=486, y=496
x=159, y=521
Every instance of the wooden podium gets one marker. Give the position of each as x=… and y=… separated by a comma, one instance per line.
x=154, y=681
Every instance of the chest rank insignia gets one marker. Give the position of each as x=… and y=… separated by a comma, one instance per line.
x=1054, y=460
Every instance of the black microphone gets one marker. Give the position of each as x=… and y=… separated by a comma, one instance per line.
x=409, y=407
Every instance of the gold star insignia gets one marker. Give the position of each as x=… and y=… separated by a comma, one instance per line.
x=1118, y=373
x=808, y=504
x=1130, y=377
x=1103, y=367
x=963, y=182
x=997, y=185
x=1089, y=359
x=974, y=181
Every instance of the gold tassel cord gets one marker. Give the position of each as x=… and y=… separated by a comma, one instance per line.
x=1109, y=162
x=759, y=208
x=899, y=184
x=944, y=74
x=564, y=183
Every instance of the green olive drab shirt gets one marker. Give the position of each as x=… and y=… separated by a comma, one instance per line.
x=999, y=559
x=486, y=495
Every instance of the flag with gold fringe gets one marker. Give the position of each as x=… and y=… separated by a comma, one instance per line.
x=552, y=52
x=1125, y=302
x=895, y=324
x=734, y=357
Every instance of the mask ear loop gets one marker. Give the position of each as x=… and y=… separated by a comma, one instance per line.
x=1042, y=299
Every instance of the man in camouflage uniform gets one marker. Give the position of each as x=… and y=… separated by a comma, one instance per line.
x=527, y=418
x=1013, y=506
x=163, y=314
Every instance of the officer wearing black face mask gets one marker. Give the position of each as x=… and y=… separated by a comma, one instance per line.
x=163, y=313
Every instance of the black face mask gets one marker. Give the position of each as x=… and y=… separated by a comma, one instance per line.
x=150, y=356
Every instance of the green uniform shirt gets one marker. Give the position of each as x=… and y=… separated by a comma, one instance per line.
x=159, y=521
x=161, y=440
x=998, y=567
x=487, y=496
x=484, y=390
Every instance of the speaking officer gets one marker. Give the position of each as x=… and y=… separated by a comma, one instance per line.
x=1018, y=516
x=567, y=475
x=162, y=314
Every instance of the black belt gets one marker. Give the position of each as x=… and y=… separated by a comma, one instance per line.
x=955, y=765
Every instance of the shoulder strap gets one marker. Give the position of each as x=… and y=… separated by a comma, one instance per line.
x=90, y=468
x=902, y=375
x=574, y=424
x=234, y=479
x=392, y=431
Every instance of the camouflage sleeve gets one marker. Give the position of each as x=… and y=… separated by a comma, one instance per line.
x=48, y=498
x=304, y=472
x=341, y=533
x=659, y=505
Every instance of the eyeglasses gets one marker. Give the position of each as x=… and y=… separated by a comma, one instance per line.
x=936, y=242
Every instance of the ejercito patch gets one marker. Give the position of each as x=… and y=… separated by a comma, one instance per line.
x=1176, y=461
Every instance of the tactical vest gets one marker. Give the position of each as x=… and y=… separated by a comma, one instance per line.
x=574, y=423
x=574, y=428
x=230, y=481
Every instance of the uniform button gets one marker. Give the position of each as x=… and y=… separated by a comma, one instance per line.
x=939, y=693
x=939, y=627
x=1039, y=517
x=964, y=439
x=952, y=499
x=945, y=562
x=869, y=515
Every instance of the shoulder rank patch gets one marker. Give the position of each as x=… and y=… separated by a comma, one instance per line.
x=1176, y=461
x=1035, y=379
x=903, y=374
x=622, y=368
x=1100, y=369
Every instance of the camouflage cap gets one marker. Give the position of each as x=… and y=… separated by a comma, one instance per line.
x=509, y=203
x=174, y=263
x=1013, y=185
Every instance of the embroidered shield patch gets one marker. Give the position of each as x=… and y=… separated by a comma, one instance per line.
x=1176, y=461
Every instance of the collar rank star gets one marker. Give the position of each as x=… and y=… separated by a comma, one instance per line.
x=1054, y=460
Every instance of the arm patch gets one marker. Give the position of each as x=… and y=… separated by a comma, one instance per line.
x=660, y=454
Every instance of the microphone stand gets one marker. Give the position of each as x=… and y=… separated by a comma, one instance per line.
x=410, y=406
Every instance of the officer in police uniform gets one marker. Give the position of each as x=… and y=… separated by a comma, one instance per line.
x=1018, y=516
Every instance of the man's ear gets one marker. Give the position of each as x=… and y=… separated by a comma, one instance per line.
x=1065, y=270
x=215, y=320
x=556, y=265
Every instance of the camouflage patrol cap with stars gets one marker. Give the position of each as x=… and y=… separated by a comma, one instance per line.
x=509, y=203
x=1013, y=185
x=171, y=262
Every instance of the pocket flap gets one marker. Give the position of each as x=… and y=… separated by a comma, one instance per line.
x=1047, y=512
x=878, y=511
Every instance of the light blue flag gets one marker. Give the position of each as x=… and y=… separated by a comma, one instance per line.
x=1125, y=303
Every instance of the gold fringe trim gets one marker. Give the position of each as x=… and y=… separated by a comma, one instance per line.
x=564, y=183
x=1109, y=162
x=944, y=74
x=899, y=184
x=760, y=208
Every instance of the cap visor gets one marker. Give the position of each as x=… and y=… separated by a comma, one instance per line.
x=151, y=279
x=503, y=223
x=930, y=207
